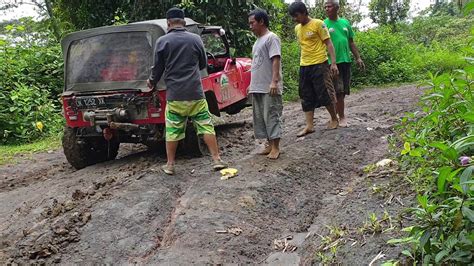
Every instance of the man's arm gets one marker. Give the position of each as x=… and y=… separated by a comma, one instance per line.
x=158, y=67
x=276, y=75
x=332, y=55
x=356, y=54
x=274, y=53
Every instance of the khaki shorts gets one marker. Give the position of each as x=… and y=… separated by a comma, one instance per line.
x=177, y=114
x=267, y=113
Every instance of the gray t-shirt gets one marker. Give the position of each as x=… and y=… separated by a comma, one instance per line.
x=266, y=47
x=179, y=55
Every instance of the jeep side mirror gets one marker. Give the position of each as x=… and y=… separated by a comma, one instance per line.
x=233, y=61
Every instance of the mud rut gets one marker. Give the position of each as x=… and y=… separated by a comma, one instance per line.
x=127, y=211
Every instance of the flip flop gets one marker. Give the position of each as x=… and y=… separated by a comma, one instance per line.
x=169, y=170
x=219, y=165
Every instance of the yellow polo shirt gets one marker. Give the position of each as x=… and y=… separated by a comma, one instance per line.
x=311, y=37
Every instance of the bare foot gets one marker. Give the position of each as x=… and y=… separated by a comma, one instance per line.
x=305, y=131
x=332, y=124
x=343, y=122
x=274, y=154
x=265, y=151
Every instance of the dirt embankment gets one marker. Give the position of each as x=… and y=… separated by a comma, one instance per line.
x=127, y=211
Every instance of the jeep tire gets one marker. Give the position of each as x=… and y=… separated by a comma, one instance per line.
x=89, y=151
x=193, y=144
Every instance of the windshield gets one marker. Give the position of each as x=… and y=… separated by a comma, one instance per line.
x=213, y=43
x=123, y=56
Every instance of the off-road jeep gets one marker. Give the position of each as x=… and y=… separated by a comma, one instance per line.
x=106, y=100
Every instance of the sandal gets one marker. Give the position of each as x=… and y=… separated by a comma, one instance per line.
x=168, y=169
x=219, y=164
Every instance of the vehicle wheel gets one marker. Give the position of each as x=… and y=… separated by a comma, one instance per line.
x=103, y=150
x=236, y=107
x=158, y=146
x=193, y=144
x=89, y=151
x=156, y=143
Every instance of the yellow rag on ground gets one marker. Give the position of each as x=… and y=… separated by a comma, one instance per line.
x=228, y=173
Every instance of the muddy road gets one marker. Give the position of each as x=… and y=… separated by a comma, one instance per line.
x=277, y=212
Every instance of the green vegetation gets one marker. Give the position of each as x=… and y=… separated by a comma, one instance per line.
x=31, y=72
x=438, y=155
x=388, y=12
x=393, y=55
x=32, y=67
x=326, y=253
x=437, y=144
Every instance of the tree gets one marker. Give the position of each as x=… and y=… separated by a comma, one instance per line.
x=349, y=11
x=231, y=14
x=388, y=12
x=447, y=7
x=44, y=9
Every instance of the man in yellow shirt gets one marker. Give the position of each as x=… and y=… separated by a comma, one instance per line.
x=315, y=86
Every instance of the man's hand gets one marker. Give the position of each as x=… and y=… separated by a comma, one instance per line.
x=149, y=84
x=334, y=70
x=274, y=88
x=360, y=64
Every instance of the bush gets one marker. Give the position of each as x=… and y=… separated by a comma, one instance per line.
x=387, y=56
x=290, y=67
x=451, y=32
x=30, y=114
x=32, y=78
x=438, y=155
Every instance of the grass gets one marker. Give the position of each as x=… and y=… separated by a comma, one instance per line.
x=9, y=152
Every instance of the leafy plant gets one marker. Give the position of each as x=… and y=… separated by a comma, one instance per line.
x=388, y=12
x=330, y=242
x=290, y=68
x=31, y=72
x=441, y=169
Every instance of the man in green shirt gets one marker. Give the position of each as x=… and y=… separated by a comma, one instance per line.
x=342, y=38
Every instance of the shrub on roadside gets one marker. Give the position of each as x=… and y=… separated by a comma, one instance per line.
x=290, y=67
x=438, y=155
x=29, y=115
x=32, y=77
x=387, y=56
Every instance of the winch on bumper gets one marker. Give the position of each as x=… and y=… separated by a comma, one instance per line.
x=113, y=118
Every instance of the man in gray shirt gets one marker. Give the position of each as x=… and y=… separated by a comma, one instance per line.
x=266, y=85
x=179, y=55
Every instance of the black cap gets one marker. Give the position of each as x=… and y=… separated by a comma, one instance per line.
x=174, y=12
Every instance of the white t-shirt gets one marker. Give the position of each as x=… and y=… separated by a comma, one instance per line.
x=264, y=49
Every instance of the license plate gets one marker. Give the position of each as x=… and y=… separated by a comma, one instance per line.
x=89, y=101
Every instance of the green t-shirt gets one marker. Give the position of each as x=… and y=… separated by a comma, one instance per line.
x=340, y=31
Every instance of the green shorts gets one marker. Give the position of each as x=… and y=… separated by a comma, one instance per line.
x=177, y=114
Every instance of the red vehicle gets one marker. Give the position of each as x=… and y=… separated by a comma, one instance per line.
x=106, y=100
